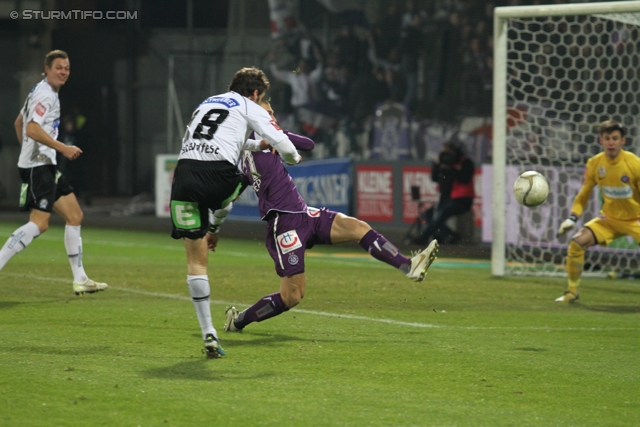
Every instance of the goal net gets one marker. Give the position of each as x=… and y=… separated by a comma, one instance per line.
x=559, y=71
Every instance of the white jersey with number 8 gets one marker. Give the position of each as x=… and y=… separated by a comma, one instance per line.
x=219, y=128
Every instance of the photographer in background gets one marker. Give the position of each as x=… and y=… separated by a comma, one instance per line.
x=453, y=172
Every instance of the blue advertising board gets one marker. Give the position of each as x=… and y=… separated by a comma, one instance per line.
x=322, y=183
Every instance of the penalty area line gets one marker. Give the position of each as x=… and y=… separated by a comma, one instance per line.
x=337, y=315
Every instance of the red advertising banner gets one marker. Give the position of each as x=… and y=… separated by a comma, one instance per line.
x=374, y=194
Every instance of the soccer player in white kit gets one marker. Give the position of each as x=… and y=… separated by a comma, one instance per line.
x=44, y=189
x=206, y=177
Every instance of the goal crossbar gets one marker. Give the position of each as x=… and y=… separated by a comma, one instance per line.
x=566, y=9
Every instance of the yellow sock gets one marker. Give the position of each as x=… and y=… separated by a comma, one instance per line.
x=575, y=264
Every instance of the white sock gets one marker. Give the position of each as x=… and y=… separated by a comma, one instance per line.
x=19, y=240
x=73, y=244
x=199, y=291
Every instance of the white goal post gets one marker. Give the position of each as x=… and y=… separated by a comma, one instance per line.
x=559, y=70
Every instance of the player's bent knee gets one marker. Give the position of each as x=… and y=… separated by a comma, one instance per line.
x=584, y=237
x=291, y=297
x=76, y=217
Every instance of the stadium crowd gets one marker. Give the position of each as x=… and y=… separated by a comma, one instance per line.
x=432, y=59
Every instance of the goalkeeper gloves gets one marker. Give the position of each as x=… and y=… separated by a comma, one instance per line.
x=567, y=224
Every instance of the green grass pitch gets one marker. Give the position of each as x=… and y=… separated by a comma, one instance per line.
x=366, y=347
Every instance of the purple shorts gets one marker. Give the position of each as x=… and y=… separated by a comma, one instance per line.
x=289, y=234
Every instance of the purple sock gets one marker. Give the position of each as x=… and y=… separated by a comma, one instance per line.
x=383, y=250
x=267, y=307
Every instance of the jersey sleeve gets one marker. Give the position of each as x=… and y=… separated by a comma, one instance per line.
x=40, y=102
x=588, y=184
x=252, y=144
x=301, y=143
x=287, y=151
x=262, y=124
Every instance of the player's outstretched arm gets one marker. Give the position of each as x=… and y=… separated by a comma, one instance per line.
x=301, y=143
x=287, y=151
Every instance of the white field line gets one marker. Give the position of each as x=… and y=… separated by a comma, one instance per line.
x=336, y=315
x=352, y=260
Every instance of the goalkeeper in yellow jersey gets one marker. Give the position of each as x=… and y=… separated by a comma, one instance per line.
x=617, y=173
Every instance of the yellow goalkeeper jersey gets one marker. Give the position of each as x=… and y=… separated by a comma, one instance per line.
x=619, y=183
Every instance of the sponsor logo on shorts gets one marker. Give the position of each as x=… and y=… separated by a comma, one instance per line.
x=43, y=204
x=313, y=212
x=288, y=241
x=185, y=215
x=293, y=259
x=23, y=194
x=40, y=109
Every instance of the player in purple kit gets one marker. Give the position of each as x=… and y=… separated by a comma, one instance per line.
x=293, y=227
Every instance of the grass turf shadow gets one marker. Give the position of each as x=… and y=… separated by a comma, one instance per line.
x=200, y=370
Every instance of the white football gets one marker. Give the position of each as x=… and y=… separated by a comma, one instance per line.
x=531, y=189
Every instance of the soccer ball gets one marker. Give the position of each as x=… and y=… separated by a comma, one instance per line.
x=531, y=189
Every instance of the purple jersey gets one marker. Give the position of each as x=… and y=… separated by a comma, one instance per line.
x=271, y=181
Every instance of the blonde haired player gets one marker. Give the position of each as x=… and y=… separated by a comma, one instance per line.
x=44, y=188
x=617, y=173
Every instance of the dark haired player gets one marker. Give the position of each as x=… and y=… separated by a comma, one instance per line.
x=206, y=177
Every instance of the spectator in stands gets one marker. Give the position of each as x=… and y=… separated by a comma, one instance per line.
x=307, y=47
x=334, y=85
x=302, y=80
x=349, y=49
x=454, y=174
x=389, y=25
x=411, y=41
x=367, y=91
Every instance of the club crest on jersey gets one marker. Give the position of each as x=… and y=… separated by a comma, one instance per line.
x=293, y=259
x=602, y=172
x=625, y=179
x=229, y=102
x=288, y=241
x=40, y=109
x=313, y=212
